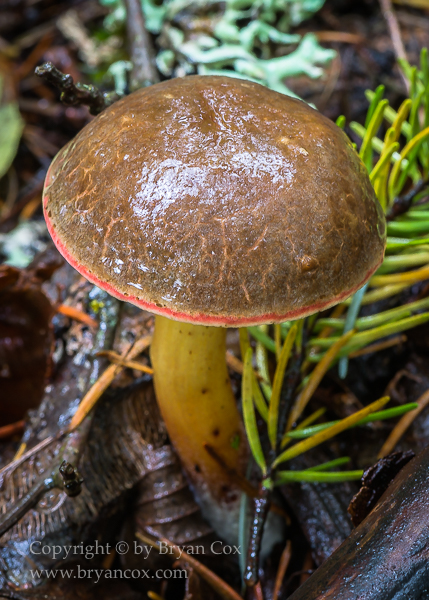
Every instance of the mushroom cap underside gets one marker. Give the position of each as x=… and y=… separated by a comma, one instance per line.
x=217, y=201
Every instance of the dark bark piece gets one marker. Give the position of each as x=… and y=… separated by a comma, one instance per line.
x=217, y=201
x=375, y=481
x=387, y=556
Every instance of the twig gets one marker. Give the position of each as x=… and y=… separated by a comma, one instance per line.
x=259, y=595
x=65, y=478
x=76, y=93
x=144, y=71
x=154, y=595
x=28, y=500
x=100, y=386
x=403, y=203
x=29, y=192
x=236, y=365
x=34, y=57
x=91, y=52
x=395, y=34
x=220, y=586
x=76, y=314
x=378, y=346
x=281, y=571
x=9, y=430
x=306, y=568
x=116, y=358
x=262, y=504
x=18, y=460
x=341, y=37
x=402, y=425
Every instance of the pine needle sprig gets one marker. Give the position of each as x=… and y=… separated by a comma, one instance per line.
x=398, y=166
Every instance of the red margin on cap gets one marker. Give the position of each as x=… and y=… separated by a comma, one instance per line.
x=197, y=319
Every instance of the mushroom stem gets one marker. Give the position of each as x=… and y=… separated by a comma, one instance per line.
x=197, y=403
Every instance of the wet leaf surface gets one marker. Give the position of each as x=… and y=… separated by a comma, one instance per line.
x=26, y=338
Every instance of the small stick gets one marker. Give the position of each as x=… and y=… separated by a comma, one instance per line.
x=72, y=93
x=281, y=571
x=144, y=71
x=33, y=58
x=263, y=501
x=116, y=358
x=93, y=394
x=259, y=595
x=395, y=34
x=220, y=586
x=65, y=478
x=22, y=457
x=402, y=425
x=307, y=568
x=154, y=595
x=342, y=37
x=251, y=575
x=394, y=341
x=236, y=365
x=9, y=430
x=30, y=499
x=77, y=315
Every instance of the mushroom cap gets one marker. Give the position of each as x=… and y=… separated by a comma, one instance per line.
x=216, y=201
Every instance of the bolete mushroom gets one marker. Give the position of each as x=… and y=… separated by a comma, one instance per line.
x=213, y=202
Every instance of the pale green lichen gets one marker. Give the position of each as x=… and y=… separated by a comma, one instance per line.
x=200, y=37
x=118, y=72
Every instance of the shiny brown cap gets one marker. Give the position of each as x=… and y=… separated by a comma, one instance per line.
x=217, y=201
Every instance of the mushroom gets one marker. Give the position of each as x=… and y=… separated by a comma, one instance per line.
x=213, y=202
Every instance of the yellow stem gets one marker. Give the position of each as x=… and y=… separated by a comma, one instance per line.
x=196, y=401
